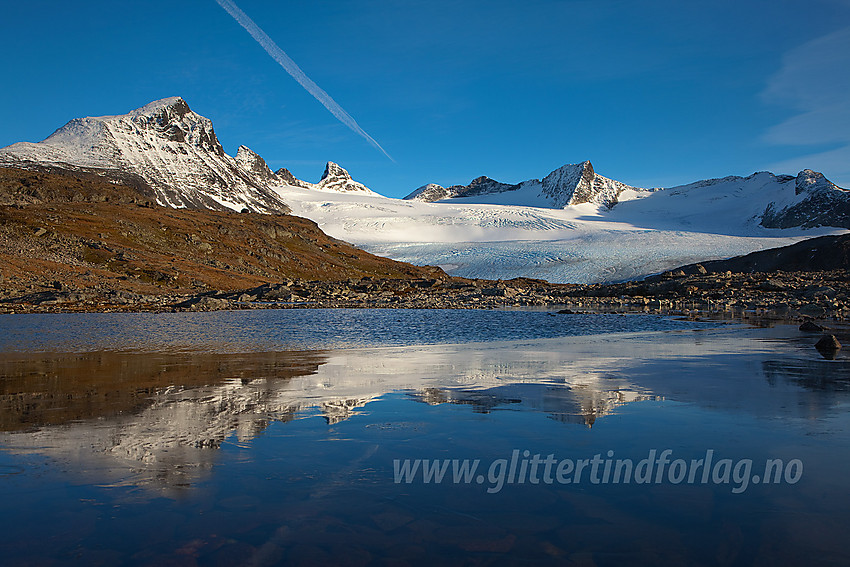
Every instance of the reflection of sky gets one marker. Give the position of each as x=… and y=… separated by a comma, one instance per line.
x=288, y=329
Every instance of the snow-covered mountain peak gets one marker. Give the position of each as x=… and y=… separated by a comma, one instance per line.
x=809, y=181
x=571, y=184
x=571, y=170
x=165, y=149
x=172, y=104
x=816, y=202
x=482, y=181
x=429, y=192
x=336, y=178
x=335, y=170
x=577, y=184
x=286, y=176
x=173, y=119
x=250, y=161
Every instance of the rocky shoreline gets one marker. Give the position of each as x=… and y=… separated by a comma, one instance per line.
x=786, y=295
x=75, y=243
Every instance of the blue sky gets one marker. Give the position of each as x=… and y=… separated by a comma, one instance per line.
x=654, y=93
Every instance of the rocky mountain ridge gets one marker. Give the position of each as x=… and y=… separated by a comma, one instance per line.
x=170, y=154
x=572, y=184
x=822, y=203
x=807, y=200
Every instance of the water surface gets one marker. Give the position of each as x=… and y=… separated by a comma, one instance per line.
x=255, y=439
x=298, y=329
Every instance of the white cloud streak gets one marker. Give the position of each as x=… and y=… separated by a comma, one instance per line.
x=295, y=71
x=814, y=80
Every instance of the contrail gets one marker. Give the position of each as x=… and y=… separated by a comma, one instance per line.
x=290, y=67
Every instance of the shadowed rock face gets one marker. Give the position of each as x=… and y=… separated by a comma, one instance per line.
x=815, y=254
x=584, y=189
x=824, y=204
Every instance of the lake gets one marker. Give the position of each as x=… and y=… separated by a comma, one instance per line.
x=418, y=437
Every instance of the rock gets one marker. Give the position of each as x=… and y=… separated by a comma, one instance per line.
x=811, y=327
x=123, y=297
x=813, y=310
x=813, y=292
x=48, y=298
x=286, y=176
x=828, y=343
x=204, y=303
x=773, y=285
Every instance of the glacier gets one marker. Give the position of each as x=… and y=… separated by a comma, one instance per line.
x=579, y=244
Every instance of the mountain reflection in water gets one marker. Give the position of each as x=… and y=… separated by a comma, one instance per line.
x=163, y=414
x=42, y=389
x=286, y=457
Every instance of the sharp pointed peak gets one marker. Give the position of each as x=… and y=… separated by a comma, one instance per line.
x=251, y=161
x=337, y=178
x=334, y=170
x=245, y=151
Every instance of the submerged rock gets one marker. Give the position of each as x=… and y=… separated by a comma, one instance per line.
x=811, y=327
x=828, y=343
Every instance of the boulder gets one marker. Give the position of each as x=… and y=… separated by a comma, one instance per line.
x=204, y=303
x=811, y=327
x=828, y=343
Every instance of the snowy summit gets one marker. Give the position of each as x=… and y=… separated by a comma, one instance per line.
x=572, y=184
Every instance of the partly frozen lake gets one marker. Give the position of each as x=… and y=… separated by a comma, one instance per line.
x=310, y=437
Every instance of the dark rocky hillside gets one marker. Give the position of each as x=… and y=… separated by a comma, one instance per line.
x=813, y=255
x=81, y=232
